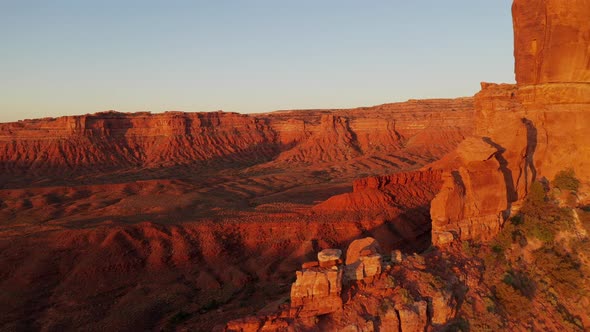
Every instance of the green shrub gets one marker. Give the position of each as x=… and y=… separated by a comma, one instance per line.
x=566, y=180
x=562, y=269
x=536, y=195
x=521, y=282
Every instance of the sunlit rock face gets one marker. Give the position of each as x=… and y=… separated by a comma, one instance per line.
x=551, y=41
x=524, y=132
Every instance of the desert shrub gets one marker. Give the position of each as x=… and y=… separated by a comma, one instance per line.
x=562, y=270
x=458, y=325
x=542, y=218
x=566, y=180
x=536, y=195
x=406, y=297
x=466, y=247
x=389, y=282
x=385, y=306
x=498, y=248
x=521, y=282
x=516, y=220
x=513, y=304
x=490, y=304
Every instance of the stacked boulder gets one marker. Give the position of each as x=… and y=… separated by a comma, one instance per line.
x=318, y=286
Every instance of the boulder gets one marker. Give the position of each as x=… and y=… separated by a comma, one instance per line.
x=357, y=246
x=363, y=259
x=397, y=256
x=329, y=257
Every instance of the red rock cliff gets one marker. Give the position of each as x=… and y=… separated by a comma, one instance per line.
x=524, y=132
x=551, y=41
x=111, y=139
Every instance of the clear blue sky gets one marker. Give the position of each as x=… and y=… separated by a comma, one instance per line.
x=63, y=57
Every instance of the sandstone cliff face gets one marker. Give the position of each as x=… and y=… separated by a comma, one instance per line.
x=524, y=132
x=551, y=41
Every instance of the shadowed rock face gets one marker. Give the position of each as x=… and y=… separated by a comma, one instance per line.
x=551, y=41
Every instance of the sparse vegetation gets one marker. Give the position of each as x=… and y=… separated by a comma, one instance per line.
x=537, y=258
x=566, y=180
x=405, y=297
x=385, y=306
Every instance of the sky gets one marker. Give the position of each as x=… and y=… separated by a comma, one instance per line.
x=71, y=57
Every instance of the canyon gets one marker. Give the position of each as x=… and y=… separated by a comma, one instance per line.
x=186, y=212
x=383, y=218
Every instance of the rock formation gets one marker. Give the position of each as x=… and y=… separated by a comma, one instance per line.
x=551, y=41
x=388, y=197
x=363, y=260
x=316, y=291
x=117, y=140
x=324, y=299
x=524, y=132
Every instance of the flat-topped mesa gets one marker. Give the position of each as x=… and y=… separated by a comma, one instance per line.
x=551, y=41
x=111, y=139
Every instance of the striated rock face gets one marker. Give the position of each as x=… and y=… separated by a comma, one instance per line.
x=333, y=141
x=524, y=132
x=551, y=41
x=117, y=140
x=316, y=291
x=112, y=140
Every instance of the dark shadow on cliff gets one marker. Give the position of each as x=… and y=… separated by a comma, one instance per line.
x=531, y=147
x=511, y=195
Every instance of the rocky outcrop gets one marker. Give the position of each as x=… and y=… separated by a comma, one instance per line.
x=524, y=132
x=329, y=257
x=363, y=260
x=316, y=291
x=398, y=297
